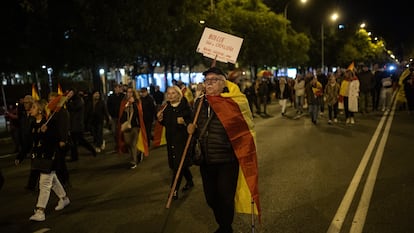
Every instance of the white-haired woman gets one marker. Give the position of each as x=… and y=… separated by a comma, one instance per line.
x=175, y=117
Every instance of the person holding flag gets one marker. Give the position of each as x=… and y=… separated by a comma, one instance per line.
x=57, y=112
x=229, y=169
x=44, y=154
x=133, y=140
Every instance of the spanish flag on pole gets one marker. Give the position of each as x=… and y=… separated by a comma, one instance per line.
x=35, y=95
x=233, y=110
x=159, y=135
x=142, y=144
x=59, y=90
x=159, y=131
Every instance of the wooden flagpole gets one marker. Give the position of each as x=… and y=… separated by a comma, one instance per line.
x=187, y=145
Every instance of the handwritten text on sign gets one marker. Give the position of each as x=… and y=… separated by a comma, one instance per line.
x=219, y=45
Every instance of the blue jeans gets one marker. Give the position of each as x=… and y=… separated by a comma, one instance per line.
x=314, y=111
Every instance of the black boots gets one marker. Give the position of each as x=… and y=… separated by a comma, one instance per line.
x=188, y=186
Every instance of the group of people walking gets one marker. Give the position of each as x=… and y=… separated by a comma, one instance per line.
x=227, y=144
x=349, y=91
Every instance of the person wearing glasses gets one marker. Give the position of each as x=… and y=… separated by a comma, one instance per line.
x=227, y=147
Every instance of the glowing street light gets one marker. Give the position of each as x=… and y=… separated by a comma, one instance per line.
x=287, y=5
x=333, y=18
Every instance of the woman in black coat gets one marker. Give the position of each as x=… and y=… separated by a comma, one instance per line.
x=175, y=117
x=44, y=159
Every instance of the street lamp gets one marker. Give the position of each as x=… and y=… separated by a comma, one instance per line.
x=334, y=17
x=49, y=72
x=287, y=5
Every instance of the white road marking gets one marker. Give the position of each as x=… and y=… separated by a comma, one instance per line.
x=361, y=212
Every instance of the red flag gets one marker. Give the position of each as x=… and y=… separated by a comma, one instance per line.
x=35, y=95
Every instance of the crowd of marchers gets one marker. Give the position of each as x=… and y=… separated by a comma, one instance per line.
x=49, y=132
x=344, y=92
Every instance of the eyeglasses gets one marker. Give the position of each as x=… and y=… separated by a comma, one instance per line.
x=212, y=80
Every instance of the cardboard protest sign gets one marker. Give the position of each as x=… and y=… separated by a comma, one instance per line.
x=219, y=45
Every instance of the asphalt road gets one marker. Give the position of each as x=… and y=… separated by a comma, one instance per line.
x=312, y=179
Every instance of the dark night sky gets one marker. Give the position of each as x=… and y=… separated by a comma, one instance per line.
x=387, y=20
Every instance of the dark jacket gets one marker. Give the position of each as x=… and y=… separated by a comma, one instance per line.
x=76, y=108
x=215, y=144
x=367, y=81
x=148, y=109
x=176, y=134
x=96, y=113
x=25, y=121
x=45, y=144
x=114, y=103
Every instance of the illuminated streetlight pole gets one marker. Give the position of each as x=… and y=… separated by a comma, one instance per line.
x=334, y=17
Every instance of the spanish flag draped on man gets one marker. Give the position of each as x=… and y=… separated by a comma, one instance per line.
x=232, y=108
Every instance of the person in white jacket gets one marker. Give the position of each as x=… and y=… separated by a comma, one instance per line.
x=349, y=93
x=299, y=93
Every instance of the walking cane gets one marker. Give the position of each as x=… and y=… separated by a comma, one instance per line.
x=183, y=156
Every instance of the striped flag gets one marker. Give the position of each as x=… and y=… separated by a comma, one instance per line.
x=35, y=94
x=233, y=110
x=59, y=90
x=159, y=135
x=142, y=144
x=56, y=103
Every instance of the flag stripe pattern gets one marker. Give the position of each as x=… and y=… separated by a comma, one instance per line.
x=142, y=144
x=159, y=135
x=232, y=108
x=35, y=94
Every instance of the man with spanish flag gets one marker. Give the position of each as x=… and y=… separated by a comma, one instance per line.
x=229, y=169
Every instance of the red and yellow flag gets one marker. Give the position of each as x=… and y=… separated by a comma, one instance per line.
x=142, y=144
x=56, y=103
x=351, y=66
x=233, y=110
x=188, y=95
x=159, y=135
x=35, y=95
x=59, y=90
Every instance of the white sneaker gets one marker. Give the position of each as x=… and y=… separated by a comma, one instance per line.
x=98, y=150
x=348, y=120
x=62, y=203
x=39, y=215
x=352, y=120
x=103, y=145
x=335, y=120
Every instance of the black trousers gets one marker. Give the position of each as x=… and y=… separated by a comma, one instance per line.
x=185, y=171
x=219, y=183
x=78, y=139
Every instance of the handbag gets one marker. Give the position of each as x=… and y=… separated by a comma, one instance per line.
x=126, y=126
x=197, y=157
x=42, y=163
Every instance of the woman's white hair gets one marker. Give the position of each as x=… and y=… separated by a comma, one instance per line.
x=178, y=90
